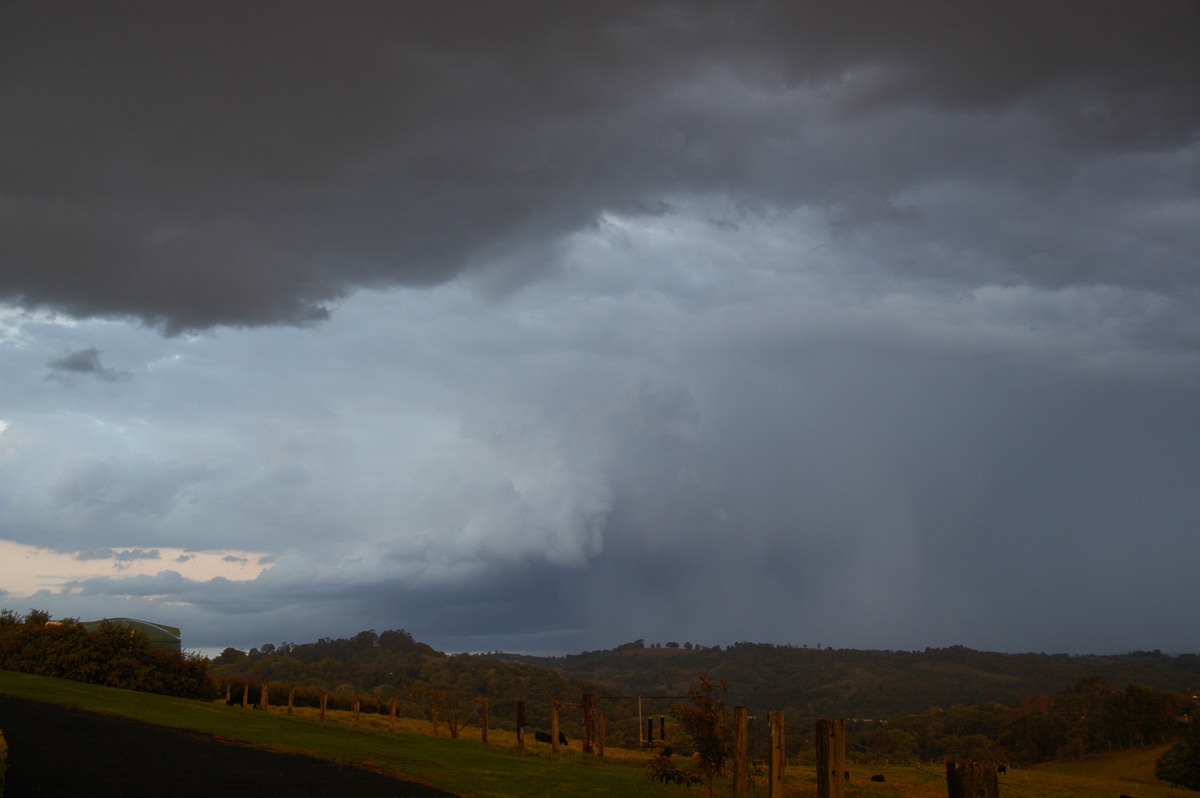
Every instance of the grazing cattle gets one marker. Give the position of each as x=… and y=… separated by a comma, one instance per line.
x=544, y=737
x=253, y=697
x=878, y=777
x=1001, y=768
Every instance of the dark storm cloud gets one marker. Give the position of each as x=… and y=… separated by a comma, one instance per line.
x=912, y=501
x=193, y=165
x=87, y=362
x=533, y=603
x=121, y=556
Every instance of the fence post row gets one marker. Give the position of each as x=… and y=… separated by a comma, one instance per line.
x=964, y=779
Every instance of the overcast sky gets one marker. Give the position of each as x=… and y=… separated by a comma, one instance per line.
x=549, y=326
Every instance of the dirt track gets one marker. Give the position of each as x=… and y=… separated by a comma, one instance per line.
x=57, y=751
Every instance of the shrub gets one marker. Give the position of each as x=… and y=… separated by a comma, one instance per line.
x=662, y=770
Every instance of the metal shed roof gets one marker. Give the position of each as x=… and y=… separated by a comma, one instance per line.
x=161, y=635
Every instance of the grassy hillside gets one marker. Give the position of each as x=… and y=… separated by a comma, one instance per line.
x=1131, y=771
x=500, y=770
x=465, y=766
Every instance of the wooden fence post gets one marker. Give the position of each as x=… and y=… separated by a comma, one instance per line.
x=355, y=708
x=228, y=689
x=587, y=708
x=521, y=724
x=483, y=719
x=972, y=780
x=264, y=702
x=831, y=757
x=324, y=703
x=392, y=715
x=554, y=726
x=778, y=756
x=245, y=695
x=291, y=699
x=741, y=750
x=601, y=734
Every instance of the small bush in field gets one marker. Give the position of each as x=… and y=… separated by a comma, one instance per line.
x=662, y=770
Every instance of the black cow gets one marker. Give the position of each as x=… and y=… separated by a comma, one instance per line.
x=253, y=697
x=1001, y=768
x=878, y=777
x=544, y=737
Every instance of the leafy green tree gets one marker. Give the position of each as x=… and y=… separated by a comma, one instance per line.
x=229, y=656
x=1181, y=763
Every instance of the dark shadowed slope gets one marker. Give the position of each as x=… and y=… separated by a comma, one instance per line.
x=55, y=751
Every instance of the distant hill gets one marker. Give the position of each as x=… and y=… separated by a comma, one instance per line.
x=861, y=684
x=956, y=702
x=809, y=682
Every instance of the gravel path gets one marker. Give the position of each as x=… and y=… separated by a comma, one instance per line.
x=56, y=751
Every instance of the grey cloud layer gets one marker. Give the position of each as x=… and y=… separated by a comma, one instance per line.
x=855, y=323
x=205, y=165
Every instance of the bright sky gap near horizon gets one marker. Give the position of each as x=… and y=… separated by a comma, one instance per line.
x=549, y=326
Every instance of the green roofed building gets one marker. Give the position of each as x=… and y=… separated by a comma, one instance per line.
x=161, y=635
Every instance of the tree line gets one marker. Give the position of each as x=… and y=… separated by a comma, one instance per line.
x=832, y=682
x=112, y=654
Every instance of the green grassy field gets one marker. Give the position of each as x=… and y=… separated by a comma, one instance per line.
x=501, y=770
